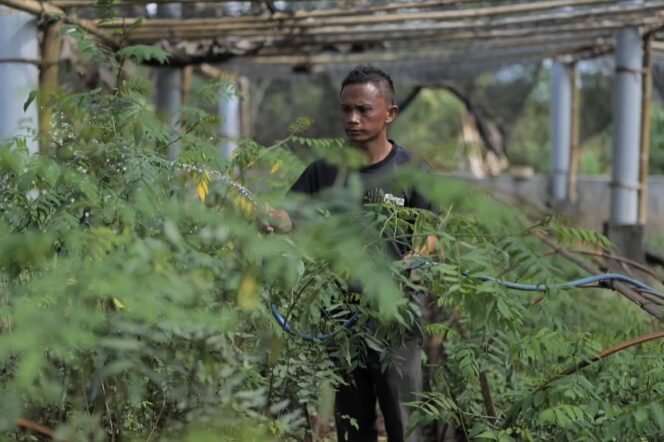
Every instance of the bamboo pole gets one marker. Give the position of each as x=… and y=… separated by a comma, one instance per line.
x=306, y=21
x=457, y=38
x=244, y=87
x=303, y=14
x=368, y=36
x=574, y=138
x=48, y=81
x=419, y=34
x=433, y=34
x=436, y=43
x=646, y=100
x=185, y=85
x=82, y=3
x=44, y=9
x=411, y=54
x=211, y=28
x=217, y=74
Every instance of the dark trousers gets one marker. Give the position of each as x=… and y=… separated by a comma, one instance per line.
x=398, y=383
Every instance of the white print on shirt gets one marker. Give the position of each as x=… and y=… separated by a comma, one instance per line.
x=394, y=199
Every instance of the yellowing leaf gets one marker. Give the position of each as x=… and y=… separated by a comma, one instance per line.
x=275, y=167
x=119, y=305
x=247, y=294
x=245, y=206
x=71, y=281
x=202, y=187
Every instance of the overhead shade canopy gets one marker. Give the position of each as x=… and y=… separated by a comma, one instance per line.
x=427, y=34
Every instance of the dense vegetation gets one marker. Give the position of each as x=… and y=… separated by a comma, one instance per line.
x=135, y=294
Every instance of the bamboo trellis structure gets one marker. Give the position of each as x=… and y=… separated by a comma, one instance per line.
x=440, y=31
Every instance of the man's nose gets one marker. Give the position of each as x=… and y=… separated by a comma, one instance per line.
x=352, y=117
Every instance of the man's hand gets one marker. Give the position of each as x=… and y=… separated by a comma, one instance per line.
x=275, y=221
x=425, y=249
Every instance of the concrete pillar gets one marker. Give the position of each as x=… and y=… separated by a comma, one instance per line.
x=626, y=127
x=18, y=41
x=561, y=130
x=229, y=111
x=623, y=228
x=168, y=83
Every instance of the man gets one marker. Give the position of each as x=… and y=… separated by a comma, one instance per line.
x=367, y=102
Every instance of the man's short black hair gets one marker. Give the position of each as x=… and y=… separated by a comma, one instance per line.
x=365, y=73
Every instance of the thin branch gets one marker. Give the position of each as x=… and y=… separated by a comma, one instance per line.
x=33, y=426
x=22, y=61
x=654, y=258
x=514, y=412
x=156, y=422
x=609, y=351
x=489, y=405
x=628, y=292
x=618, y=258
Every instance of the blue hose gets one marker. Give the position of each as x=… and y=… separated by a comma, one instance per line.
x=583, y=282
x=244, y=192
x=542, y=288
x=307, y=337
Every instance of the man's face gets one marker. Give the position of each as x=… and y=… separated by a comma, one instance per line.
x=365, y=113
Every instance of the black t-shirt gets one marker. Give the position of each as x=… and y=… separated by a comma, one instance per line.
x=378, y=184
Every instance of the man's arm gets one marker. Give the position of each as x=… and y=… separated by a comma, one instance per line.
x=421, y=202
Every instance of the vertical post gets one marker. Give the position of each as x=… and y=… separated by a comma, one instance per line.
x=645, y=129
x=48, y=80
x=185, y=87
x=229, y=111
x=627, y=127
x=245, y=107
x=561, y=130
x=19, y=75
x=168, y=83
x=574, y=138
x=623, y=227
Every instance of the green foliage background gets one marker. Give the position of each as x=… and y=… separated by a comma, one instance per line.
x=134, y=293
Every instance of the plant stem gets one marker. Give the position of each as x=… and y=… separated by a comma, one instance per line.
x=487, y=397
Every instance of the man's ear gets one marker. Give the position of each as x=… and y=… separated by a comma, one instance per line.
x=392, y=113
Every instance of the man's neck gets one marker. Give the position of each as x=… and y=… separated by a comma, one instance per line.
x=377, y=150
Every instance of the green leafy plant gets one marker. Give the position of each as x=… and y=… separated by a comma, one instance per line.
x=135, y=292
